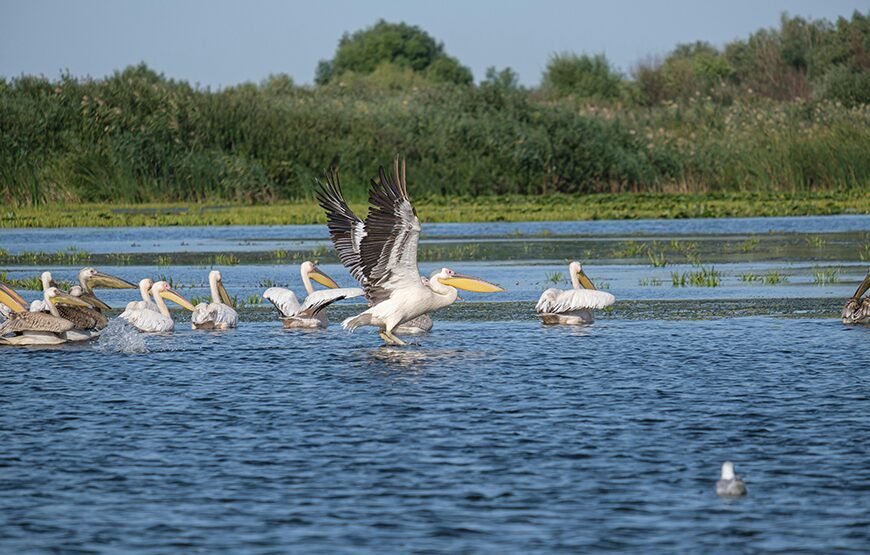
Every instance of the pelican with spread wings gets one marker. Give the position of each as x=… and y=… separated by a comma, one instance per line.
x=857, y=310
x=388, y=262
x=346, y=231
x=312, y=312
x=574, y=306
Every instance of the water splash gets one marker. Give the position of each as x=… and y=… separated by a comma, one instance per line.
x=121, y=337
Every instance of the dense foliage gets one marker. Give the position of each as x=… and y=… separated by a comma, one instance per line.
x=702, y=120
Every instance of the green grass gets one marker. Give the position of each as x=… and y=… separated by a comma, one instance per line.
x=771, y=278
x=488, y=208
x=704, y=277
x=555, y=277
x=32, y=283
x=826, y=276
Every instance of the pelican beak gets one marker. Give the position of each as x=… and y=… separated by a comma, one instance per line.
x=865, y=285
x=584, y=280
x=174, y=296
x=93, y=301
x=67, y=299
x=12, y=299
x=222, y=293
x=470, y=283
x=106, y=281
x=323, y=279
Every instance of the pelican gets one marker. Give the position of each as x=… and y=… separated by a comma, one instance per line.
x=88, y=322
x=346, y=231
x=40, y=305
x=730, y=484
x=573, y=306
x=857, y=310
x=144, y=319
x=218, y=314
x=90, y=278
x=312, y=312
x=147, y=302
x=36, y=328
x=388, y=261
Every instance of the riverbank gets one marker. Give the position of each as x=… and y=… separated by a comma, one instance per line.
x=511, y=208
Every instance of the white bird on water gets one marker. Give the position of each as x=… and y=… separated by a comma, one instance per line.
x=730, y=484
x=388, y=261
x=147, y=320
x=574, y=306
x=346, y=231
x=218, y=314
x=311, y=313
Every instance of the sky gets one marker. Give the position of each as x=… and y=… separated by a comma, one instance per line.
x=218, y=43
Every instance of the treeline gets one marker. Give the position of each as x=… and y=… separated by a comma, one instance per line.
x=784, y=110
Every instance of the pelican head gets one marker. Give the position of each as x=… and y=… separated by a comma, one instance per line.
x=90, y=278
x=162, y=289
x=727, y=470
x=56, y=296
x=310, y=269
x=579, y=277
x=448, y=277
x=216, y=283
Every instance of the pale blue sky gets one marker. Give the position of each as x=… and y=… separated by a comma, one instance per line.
x=217, y=43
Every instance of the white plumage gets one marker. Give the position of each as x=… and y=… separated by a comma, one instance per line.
x=573, y=306
x=147, y=320
x=218, y=314
x=312, y=312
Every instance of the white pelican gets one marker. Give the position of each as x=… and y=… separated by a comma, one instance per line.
x=857, y=310
x=23, y=327
x=311, y=313
x=730, y=484
x=388, y=260
x=40, y=305
x=88, y=279
x=573, y=306
x=218, y=314
x=147, y=320
x=145, y=291
x=346, y=231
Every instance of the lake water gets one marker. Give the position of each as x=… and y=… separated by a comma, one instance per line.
x=492, y=433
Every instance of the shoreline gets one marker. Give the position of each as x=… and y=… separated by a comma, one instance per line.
x=509, y=208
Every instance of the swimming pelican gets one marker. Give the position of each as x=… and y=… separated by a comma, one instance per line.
x=346, y=231
x=857, y=310
x=40, y=305
x=147, y=320
x=218, y=314
x=730, y=484
x=147, y=302
x=311, y=313
x=388, y=260
x=87, y=321
x=573, y=306
x=36, y=328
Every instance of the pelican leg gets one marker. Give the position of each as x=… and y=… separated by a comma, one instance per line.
x=390, y=338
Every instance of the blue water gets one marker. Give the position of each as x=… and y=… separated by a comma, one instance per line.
x=484, y=437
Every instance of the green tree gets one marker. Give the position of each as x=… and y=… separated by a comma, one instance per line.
x=583, y=76
x=400, y=44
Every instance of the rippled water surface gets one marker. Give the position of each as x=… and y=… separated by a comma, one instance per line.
x=491, y=434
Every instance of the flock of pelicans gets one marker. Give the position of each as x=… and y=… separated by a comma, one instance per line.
x=380, y=253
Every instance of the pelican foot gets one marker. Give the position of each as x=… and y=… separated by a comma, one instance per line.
x=391, y=339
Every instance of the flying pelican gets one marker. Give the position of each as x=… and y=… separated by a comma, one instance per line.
x=36, y=328
x=573, y=306
x=388, y=260
x=218, y=314
x=857, y=310
x=346, y=231
x=730, y=484
x=147, y=320
x=312, y=312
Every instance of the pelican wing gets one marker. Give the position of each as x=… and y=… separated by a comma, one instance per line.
x=389, y=248
x=19, y=322
x=346, y=229
x=556, y=301
x=82, y=317
x=319, y=300
x=283, y=299
x=217, y=313
x=147, y=320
